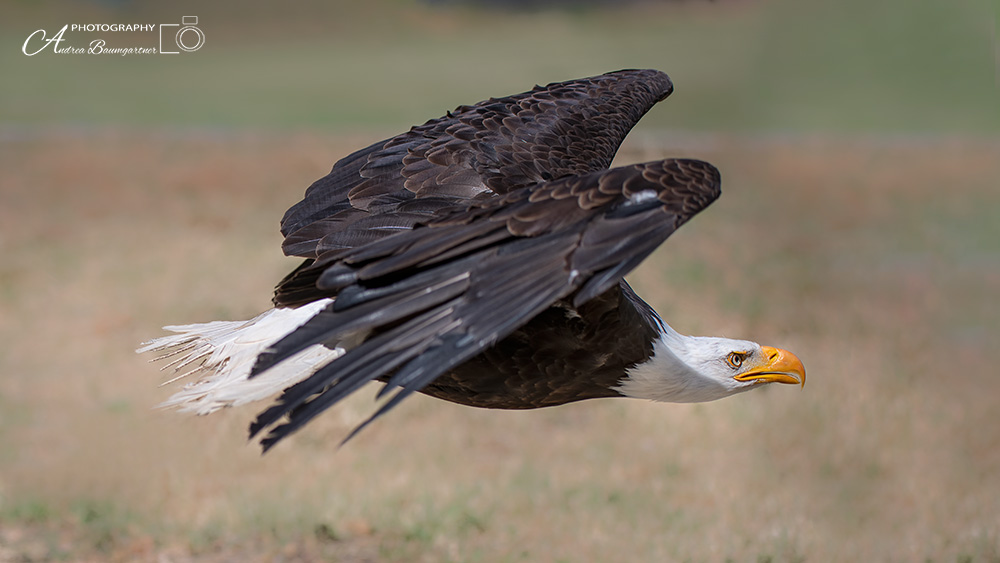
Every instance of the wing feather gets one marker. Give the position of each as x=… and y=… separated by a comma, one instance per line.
x=428, y=307
x=483, y=150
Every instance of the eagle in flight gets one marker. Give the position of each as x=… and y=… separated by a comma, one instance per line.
x=478, y=258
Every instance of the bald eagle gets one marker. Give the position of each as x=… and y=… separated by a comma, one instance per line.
x=478, y=258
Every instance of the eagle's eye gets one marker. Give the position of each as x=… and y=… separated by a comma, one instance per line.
x=735, y=359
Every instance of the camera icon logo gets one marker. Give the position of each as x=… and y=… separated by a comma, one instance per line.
x=187, y=38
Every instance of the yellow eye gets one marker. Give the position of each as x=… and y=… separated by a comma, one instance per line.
x=735, y=359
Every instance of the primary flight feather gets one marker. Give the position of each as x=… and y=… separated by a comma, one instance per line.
x=478, y=258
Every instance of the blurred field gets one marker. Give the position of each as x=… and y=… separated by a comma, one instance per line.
x=875, y=261
x=778, y=65
x=859, y=227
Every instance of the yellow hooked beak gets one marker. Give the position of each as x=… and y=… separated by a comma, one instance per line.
x=780, y=366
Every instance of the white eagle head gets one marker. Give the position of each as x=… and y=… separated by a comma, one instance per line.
x=695, y=369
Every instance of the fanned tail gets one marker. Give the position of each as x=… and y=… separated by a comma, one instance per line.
x=220, y=355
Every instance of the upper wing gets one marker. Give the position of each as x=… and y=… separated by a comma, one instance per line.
x=433, y=297
x=475, y=152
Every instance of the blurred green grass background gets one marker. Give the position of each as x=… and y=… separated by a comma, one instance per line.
x=859, y=227
x=784, y=65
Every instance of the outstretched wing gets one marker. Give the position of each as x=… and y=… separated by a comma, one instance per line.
x=473, y=153
x=435, y=296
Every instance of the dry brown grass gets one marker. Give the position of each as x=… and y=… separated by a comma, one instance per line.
x=877, y=262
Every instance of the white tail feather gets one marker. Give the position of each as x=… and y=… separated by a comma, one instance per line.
x=223, y=352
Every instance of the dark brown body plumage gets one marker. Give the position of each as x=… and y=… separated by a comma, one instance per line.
x=540, y=364
x=478, y=258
